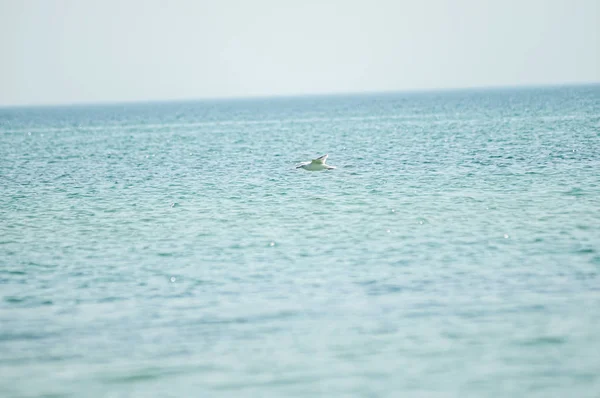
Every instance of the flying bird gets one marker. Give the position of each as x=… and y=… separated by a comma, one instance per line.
x=316, y=164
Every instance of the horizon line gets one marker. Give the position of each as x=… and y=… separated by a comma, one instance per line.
x=251, y=97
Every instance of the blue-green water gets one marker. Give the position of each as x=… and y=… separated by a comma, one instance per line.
x=173, y=250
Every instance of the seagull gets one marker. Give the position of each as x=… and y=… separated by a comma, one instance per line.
x=316, y=164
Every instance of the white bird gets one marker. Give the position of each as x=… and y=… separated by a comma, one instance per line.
x=316, y=164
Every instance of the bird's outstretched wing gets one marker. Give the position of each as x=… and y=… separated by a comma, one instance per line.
x=321, y=159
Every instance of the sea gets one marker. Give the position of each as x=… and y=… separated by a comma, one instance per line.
x=173, y=249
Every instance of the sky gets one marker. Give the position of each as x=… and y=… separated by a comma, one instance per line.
x=81, y=51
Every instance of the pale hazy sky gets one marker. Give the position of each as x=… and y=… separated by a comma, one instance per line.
x=58, y=51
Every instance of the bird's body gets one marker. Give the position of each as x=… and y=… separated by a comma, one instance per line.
x=316, y=164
